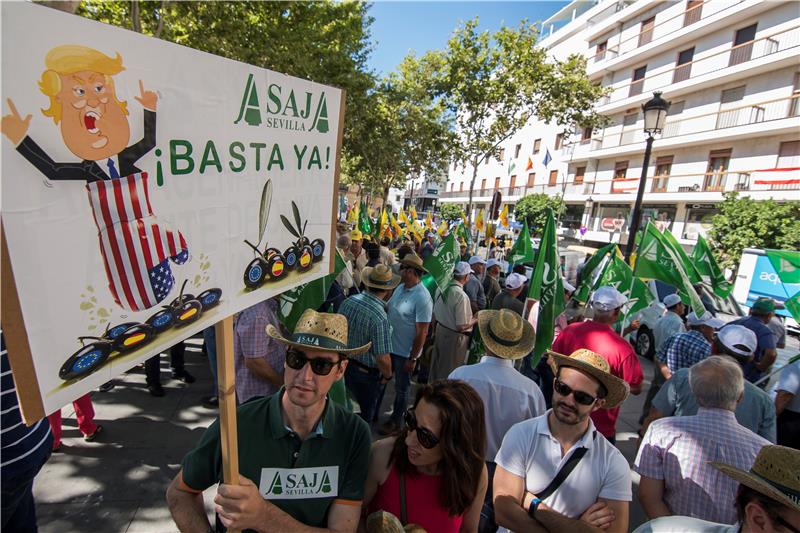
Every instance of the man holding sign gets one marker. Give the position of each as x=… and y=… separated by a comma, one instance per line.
x=302, y=459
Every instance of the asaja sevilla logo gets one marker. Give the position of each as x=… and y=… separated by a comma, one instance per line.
x=282, y=108
x=299, y=483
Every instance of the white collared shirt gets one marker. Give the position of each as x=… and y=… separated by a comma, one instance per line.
x=103, y=164
x=508, y=397
x=531, y=452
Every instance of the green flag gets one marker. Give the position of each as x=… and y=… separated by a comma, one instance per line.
x=707, y=266
x=547, y=287
x=655, y=259
x=462, y=232
x=686, y=263
x=440, y=265
x=793, y=306
x=618, y=274
x=307, y=296
x=786, y=263
x=591, y=271
x=364, y=221
x=522, y=251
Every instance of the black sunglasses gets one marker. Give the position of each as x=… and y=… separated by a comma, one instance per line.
x=296, y=360
x=581, y=397
x=425, y=436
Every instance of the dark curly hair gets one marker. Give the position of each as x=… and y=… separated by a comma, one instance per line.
x=463, y=442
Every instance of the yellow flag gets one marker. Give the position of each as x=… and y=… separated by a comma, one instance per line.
x=504, y=216
x=429, y=222
x=352, y=215
x=410, y=226
x=479, y=221
x=398, y=231
x=442, y=228
x=413, y=212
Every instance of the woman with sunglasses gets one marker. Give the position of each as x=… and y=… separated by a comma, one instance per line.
x=433, y=473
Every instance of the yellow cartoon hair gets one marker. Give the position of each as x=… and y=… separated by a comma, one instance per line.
x=72, y=58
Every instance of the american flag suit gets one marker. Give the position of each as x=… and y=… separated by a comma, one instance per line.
x=136, y=248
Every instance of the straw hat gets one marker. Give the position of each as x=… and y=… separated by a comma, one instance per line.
x=596, y=366
x=414, y=261
x=319, y=331
x=505, y=334
x=379, y=277
x=775, y=474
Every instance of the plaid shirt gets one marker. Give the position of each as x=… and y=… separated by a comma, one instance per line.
x=250, y=341
x=367, y=321
x=678, y=449
x=687, y=349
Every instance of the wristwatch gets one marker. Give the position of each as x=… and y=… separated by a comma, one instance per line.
x=533, y=506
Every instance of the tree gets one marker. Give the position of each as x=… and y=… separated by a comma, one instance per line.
x=494, y=84
x=533, y=208
x=746, y=223
x=451, y=212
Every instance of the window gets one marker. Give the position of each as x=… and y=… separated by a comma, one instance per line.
x=531, y=179
x=718, y=161
x=497, y=183
x=694, y=9
x=728, y=115
x=451, y=186
x=660, y=215
x=620, y=170
x=483, y=185
x=461, y=186
x=513, y=182
x=663, y=168
x=673, y=125
x=698, y=220
x=646, y=32
x=559, y=140
x=613, y=217
x=683, y=66
x=553, y=178
x=600, y=53
x=789, y=155
x=501, y=155
x=573, y=214
x=794, y=103
x=586, y=135
x=537, y=145
x=742, y=45
x=579, y=173
x=629, y=128
x=638, y=81
x=516, y=150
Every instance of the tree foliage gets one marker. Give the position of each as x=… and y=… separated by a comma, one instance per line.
x=533, y=208
x=451, y=212
x=746, y=223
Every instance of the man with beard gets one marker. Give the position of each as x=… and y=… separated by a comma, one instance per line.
x=554, y=472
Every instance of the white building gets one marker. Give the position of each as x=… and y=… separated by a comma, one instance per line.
x=730, y=69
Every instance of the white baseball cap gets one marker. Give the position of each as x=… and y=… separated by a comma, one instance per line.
x=515, y=281
x=569, y=287
x=706, y=320
x=477, y=260
x=608, y=298
x=670, y=300
x=493, y=262
x=431, y=234
x=462, y=269
x=738, y=339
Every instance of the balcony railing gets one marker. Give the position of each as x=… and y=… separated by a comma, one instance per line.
x=716, y=62
x=755, y=113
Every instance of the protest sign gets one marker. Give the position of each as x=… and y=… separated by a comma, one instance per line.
x=134, y=170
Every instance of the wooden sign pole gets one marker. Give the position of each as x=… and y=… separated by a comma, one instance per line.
x=226, y=392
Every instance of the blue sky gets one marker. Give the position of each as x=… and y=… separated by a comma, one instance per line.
x=401, y=26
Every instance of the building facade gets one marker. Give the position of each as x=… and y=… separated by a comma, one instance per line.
x=731, y=72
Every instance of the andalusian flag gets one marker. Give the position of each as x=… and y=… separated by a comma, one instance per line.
x=547, y=288
x=440, y=265
x=707, y=266
x=479, y=223
x=522, y=251
x=504, y=216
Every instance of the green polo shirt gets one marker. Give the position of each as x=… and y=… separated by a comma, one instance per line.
x=301, y=477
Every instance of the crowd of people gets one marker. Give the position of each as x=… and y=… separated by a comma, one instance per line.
x=500, y=443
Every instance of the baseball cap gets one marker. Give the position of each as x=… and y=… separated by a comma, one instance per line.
x=462, y=269
x=515, y=281
x=738, y=339
x=493, y=262
x=671, y=299
x=608, y=298
x=356, y=235
x=706, y=320
x=431, y=234
x=477, y=260
x=764, y=305
x=569, y=287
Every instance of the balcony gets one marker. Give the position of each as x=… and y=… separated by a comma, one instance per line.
x=715, y=64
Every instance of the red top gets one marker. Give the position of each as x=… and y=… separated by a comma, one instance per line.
x=624, y=363
x=422, y=502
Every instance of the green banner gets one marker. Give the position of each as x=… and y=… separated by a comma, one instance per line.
x=655, y=259
x=786, y=263
x=308, y=296
x=522, y=251
x=686, y=263
x=707, y=266
x=547, y=287
x=591, y=271
x=440, y=265
x=461, y=231
x=364, y=221
x=618, y=274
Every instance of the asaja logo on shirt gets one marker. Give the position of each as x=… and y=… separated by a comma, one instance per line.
x=299, y=483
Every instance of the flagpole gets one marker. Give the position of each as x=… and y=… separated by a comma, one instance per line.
x=778, y=371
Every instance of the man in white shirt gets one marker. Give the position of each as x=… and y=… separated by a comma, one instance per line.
x=454, y=321
x=508, y=396
x=597, y=491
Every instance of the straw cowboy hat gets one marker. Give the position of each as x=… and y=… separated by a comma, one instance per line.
x=775, y=474
x=319, y=331
x=379, y=277
x=505, y=334
x=596, y=366
x=414, y=261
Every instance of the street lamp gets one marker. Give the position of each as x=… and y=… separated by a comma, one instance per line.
x=655, y=114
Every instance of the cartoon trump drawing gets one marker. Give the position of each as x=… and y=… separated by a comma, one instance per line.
x=135, y=247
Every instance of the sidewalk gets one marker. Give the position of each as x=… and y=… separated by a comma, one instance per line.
x=117, y=483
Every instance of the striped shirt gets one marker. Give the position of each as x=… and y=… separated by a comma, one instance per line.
x=678, y=449
x=367, y=321
x=21, y=445
x=687, y=349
